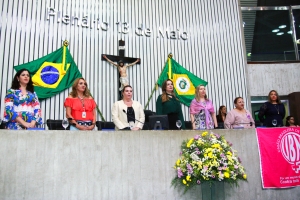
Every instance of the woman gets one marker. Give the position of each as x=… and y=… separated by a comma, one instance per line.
x=80, y=107
x=202, y=110
x=239, y=117
x=128, y=114
x=22, y=107
x=290, y=121
x=272, y=110
x=168, y=104
x=221, y=114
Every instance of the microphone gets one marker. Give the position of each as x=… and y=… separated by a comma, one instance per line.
x=135, y=119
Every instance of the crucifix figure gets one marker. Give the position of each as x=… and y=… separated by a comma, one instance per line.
x=122, y=70
x=119, y=61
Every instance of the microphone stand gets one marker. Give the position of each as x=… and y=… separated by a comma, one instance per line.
x=135, y=119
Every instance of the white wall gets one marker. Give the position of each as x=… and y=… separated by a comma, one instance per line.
x=213, y=51
x=282, y=77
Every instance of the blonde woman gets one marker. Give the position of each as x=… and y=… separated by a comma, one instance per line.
x=202, y=110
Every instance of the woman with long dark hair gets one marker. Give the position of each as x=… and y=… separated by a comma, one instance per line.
x=222, y=114
x=168, y=104
x=272, y=111
x=22, y=107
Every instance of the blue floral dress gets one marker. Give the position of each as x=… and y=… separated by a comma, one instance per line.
x=19, y=105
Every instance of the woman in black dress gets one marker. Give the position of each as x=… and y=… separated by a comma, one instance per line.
x=272, y=112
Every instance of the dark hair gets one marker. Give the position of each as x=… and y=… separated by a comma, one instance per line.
x=220, y=112
x=287, y=120
x=16, y=85
x=74, y=94
x=269, y=96
x=126, y=86
x=219, y=116
x=236, y=99
x=120, y=61
x=164, y=96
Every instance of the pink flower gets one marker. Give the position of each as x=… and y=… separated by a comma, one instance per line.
x=196, y=137
x=179, y=173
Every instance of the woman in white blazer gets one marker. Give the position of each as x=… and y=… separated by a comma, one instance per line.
x=128, y=114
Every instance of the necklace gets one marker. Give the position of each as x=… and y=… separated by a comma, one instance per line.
x=276, y=108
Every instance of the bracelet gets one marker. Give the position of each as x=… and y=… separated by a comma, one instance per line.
x=70, y=118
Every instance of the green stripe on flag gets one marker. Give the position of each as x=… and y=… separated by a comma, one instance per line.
x=184, y=81
x=52, y=73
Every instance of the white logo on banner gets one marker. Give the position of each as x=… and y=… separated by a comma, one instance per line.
x=288, y=144
x=183, y=84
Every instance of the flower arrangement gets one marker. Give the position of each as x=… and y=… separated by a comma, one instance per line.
x=207, y=158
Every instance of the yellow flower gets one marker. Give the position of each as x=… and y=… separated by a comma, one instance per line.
x=178, y=162
x=188, y=178
x=229, y=153
x=189, y=143
x=215, y=145
x=204, y=134
x=184, y=181
x=245, y=176
x=226, y=174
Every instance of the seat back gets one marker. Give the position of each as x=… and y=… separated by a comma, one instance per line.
x=105, y=125
x=55, y=125
x=147, y=114
x=188, y=125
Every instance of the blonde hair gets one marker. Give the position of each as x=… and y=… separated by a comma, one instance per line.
x=74, y=93
x=197, y=93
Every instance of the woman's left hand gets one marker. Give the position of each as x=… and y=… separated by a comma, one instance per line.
x=32, y=124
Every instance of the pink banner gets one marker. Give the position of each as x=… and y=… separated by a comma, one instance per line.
x=279, y=150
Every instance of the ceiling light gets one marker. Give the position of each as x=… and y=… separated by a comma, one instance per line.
x=282, y=26
x=289, y=32
x=275, y=30
x=280, y=33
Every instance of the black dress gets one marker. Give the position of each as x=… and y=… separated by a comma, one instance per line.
x=269, y=111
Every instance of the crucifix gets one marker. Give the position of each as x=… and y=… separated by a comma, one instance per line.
x=119, y=61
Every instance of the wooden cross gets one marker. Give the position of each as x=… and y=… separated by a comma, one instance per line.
x=120, y=57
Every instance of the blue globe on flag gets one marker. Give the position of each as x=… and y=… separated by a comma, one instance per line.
x=49, y=75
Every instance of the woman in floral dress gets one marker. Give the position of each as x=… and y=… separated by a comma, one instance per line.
x=22, y=107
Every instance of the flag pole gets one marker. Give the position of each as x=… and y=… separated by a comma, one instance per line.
x=66, y=43
x=98, y=110
x=156, y=85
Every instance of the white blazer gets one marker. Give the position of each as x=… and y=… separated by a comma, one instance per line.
x=120, y=118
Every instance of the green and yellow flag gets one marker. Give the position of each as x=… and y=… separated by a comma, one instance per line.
x=52, y=73
x=184, y=81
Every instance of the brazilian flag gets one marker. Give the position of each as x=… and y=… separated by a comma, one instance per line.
x=184, y=81
x=52, y=73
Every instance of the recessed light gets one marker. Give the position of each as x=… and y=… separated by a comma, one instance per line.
x=282, y=26
x=275, y=30
x=280, y=33
x=289, y=32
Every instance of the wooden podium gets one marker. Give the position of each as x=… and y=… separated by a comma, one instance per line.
x=294, y=101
